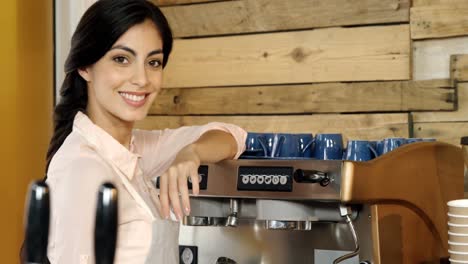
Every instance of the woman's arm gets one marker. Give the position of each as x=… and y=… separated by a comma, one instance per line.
x=210, y=147
x=159, y=148
x=214, y=146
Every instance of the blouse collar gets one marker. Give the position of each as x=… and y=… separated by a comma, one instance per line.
x=106, y=145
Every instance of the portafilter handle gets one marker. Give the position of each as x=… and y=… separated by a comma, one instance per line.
x=37, y=223
x=311, y=176
x=105, y=230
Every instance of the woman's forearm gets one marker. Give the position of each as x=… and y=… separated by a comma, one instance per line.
x=215, y=145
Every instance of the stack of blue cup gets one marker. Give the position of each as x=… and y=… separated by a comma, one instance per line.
x=322, y=146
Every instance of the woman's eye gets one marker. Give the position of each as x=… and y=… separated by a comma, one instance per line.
x=155, y=63
x=120, y=59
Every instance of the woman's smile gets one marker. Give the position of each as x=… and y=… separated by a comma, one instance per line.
x=134, y=99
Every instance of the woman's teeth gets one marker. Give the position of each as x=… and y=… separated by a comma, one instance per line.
x=135, y=98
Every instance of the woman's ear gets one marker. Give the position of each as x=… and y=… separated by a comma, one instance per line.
x=84, y=73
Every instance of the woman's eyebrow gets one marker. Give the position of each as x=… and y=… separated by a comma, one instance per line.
x=124, y=48
x=158, y=51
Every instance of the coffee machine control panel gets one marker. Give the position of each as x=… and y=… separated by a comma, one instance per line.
x=257, y=178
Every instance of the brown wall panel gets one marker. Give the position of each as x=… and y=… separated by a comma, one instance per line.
x=396, y=96
x=251, y=16
x=322, y=55
x=362, y=126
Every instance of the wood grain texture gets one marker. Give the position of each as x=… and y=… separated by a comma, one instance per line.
x=322, y=55
x=248, y=16
x=180, y=2
x=449, y=132
x=439, y=21
x=400, y=96
x=431, y=58
x=418, y=3
x=459, y=67
x=366, y=126
x=461, y=114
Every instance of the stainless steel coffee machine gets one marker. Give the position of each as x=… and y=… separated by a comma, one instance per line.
x=388, y=210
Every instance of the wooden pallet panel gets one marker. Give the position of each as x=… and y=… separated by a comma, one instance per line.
x=459, y=67
x=248, y=16
x=431, y=58
x=418, y=3
x=461, y=114
x=364, y=126
x=395, y=96
x=439, y=21
x=449, y=132
x=322, y=55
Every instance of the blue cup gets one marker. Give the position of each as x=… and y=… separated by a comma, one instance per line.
x=254, y=145
x=360, y=150
x=379, y=147
x=293, y=145
x=271, y=143
x=328, y=147
x=413, y=140
x=305, y=144
x=390, y=144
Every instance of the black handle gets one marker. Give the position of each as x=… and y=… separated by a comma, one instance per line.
x=311, y=176
x=105, y=230
x=37, y=223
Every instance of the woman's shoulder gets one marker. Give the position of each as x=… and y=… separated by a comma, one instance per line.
x=75, y=156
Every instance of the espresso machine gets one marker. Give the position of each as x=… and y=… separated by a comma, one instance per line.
x=389, y=210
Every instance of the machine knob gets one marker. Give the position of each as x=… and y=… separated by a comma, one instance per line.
x=311, y=176
x=37, y=223
x=105, y=230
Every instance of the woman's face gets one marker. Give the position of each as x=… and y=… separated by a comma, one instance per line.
x=123, y=84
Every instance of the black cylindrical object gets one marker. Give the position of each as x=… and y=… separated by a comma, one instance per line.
x=37, y=223
x=105, y=230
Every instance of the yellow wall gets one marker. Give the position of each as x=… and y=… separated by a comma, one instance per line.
x=26, y=71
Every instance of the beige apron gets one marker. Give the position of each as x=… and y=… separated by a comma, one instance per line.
x=164, y=245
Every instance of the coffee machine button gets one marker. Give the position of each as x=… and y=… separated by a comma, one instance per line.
x=253, y=179
x=267, y=179
x=260, y=179
x=245, y=179
x=283, y=180
x=275, y=180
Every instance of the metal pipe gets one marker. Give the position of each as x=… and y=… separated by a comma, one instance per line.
x=232, y=219
x=346, y=212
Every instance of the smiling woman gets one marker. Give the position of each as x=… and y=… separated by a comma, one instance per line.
x=114, y=73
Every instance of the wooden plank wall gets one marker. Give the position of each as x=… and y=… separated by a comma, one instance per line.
x=439, y=29
x=362, y=68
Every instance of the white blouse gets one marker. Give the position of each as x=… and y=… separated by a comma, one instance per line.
x=89, y=157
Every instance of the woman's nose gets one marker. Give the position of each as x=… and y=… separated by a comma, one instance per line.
x=139, y=76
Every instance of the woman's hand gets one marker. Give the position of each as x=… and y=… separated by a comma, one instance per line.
x=211, y=147
x=174, y=182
